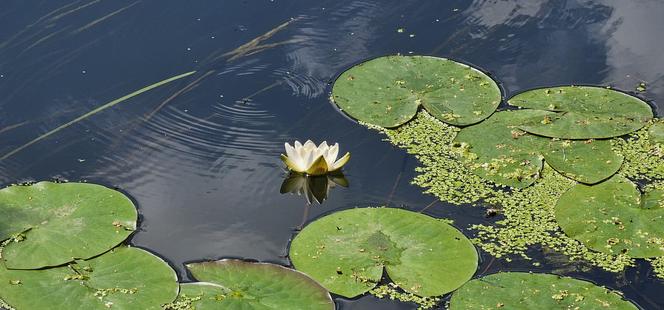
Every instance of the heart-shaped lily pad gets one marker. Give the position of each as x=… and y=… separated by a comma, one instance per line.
x=526, y=291
x=235, y=284
x=499, y=151
x=387, y=91
x=125, y=278
x=613, y=217
x=347, y=251
x=583, y=112
x=53, y=224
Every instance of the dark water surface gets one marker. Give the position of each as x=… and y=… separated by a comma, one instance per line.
x=204, y=167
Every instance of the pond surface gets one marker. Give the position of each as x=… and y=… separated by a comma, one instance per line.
x=201, y=156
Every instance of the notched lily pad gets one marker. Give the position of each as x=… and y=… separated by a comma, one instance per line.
x=525, y=291
x=125, y=278
x=347, y=251
x=52, y=224
x=583, y=112
x=499, y=151
x=235, y=284
x=613, y=217
x=387, y=91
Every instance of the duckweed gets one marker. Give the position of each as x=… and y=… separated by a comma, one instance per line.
x=528, y=218
x=392, y=292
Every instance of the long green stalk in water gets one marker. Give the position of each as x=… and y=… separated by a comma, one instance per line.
x=95, y=111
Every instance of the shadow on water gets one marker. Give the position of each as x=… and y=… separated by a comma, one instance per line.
x=200, y=155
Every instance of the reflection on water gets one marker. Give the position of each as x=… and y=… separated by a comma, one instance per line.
x=201, y=156
x=313, y=188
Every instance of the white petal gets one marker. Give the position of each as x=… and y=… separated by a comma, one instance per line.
x=298, y=145
x=341, y=162
x=308, y=160
x=322, y=150
x=310, y=145
x=295, y=157
x=333, y=153
x=290, y=151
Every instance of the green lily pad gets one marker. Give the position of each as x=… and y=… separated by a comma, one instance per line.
x=500, y=152
x=656, y=132
x=497, y=150
x=589, y=162
x=387, y=91
x=613, y=217
x=347, y=251
x=583, y=112
x=235, y=284
x=53, y=224
x=125, y=278
x=526, y=291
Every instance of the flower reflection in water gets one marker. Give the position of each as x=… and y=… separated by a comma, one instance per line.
x=313, y=188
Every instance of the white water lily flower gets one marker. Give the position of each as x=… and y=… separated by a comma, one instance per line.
x=313, y=160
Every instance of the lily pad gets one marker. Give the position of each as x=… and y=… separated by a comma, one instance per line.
x=519, y=290
x=613, y=217
x=500, y=152
x=235, y=284
x=497, y=150
x=656, y=132
x=387, y=91
x=125, y=278
x=583, y=112
x=347, y=251
x=589, y=162
x=52, y=224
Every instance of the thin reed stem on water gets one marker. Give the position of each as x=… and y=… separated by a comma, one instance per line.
x=95, y=111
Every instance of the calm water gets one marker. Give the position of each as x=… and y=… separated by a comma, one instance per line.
x=203, y=166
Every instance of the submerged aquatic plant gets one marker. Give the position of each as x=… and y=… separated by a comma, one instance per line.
x=313, y=160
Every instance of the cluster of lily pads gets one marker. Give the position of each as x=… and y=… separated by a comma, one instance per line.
x=63, y=248
x=572, y=129
x=64, y=245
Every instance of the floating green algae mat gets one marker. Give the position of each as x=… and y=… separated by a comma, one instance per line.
x=499, y=151
x=51, y=224
x=387, y=91
x=526, y=291
x=527, y=218
x=236, y=284
x=124, y=278
x=583, y=112
x=613, y=217
x=347, y=252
